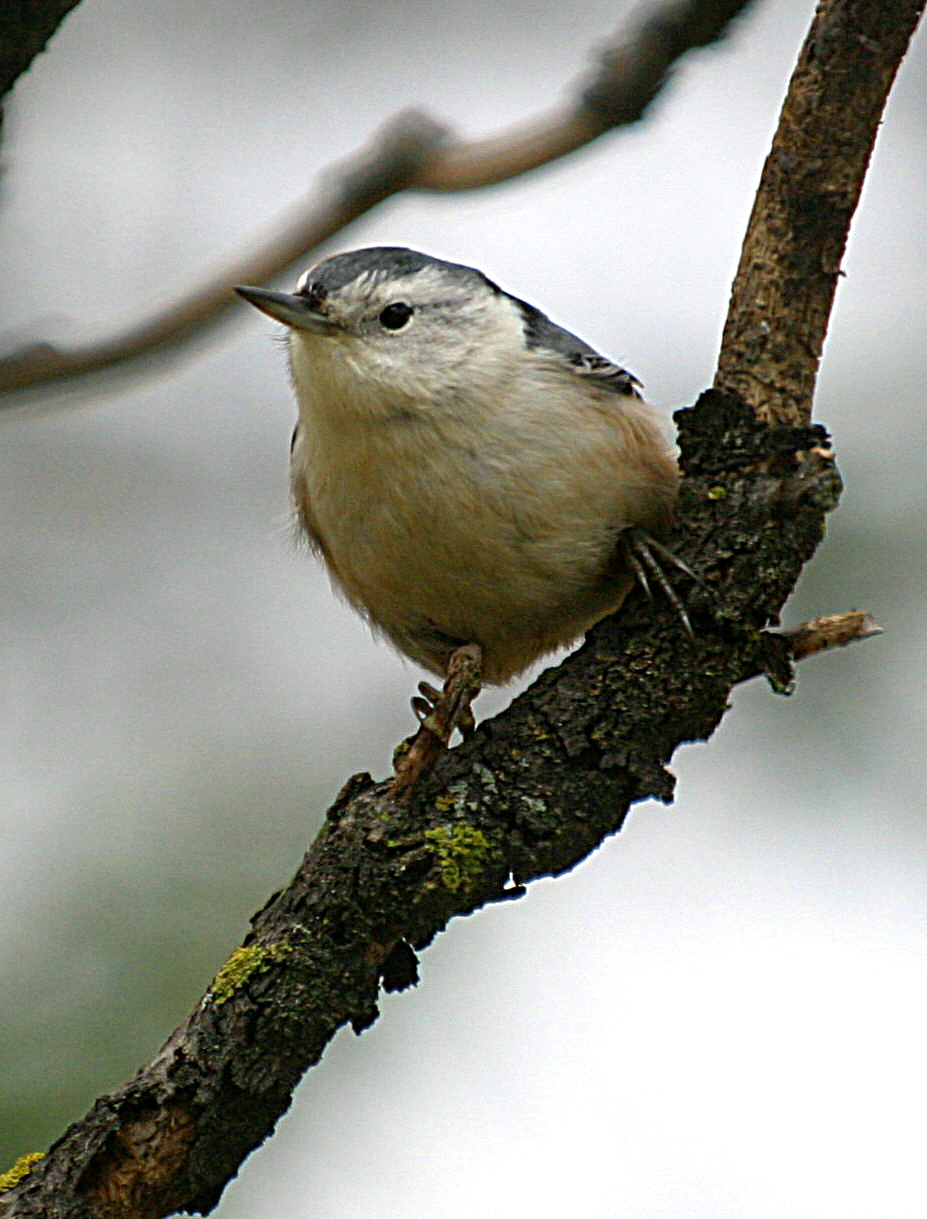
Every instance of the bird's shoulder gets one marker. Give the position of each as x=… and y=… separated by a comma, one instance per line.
x=546, y=338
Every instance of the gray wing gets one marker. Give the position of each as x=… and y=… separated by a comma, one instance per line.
x=541, y=334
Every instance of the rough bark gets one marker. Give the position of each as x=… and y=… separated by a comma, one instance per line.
x=535, y=791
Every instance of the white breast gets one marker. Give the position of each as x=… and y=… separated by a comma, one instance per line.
x=489, y=515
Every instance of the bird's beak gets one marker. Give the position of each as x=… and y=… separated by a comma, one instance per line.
x=285, y=307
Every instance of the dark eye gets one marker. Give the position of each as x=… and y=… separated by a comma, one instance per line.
x=395, y=316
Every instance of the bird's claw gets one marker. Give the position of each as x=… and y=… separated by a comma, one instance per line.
x=439, y=713
x=433, y=711
x=648, y=558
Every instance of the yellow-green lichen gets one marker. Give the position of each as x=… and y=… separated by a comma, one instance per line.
x=20, y=1170
x=461, y=851
x=717, y=492
x=486, y=778
x=243, y=964
x=401, y=750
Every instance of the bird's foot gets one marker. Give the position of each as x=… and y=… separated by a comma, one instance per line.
x=649, y=559
x=440, y=712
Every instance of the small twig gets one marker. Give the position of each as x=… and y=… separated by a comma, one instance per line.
x=808, y=639
x=412, y=151
x=832, y=631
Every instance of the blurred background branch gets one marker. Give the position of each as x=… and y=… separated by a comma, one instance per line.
x=412, y=152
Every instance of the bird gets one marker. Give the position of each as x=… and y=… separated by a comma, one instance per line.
x=470, y=473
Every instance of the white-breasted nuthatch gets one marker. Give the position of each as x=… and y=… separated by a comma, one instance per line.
x=463, y=465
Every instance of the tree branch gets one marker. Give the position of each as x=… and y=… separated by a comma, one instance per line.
x=832, y=631
x=412, y=152
x=532, y=793
x=808, y=193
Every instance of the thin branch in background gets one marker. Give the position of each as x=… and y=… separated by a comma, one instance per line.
x=412, y=152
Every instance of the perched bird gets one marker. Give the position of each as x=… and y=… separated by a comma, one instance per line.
x=466, y=468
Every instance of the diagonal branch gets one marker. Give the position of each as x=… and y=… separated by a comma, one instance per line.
x=808, y=193
x=412, y=152
x=533, y=792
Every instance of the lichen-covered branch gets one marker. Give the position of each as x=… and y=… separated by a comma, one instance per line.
x=412, y=152
x=534, y=791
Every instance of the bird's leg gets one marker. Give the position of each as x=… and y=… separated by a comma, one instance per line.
x=440, y=712
x=648, y=559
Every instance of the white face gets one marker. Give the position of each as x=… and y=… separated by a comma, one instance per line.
x=419, y=338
